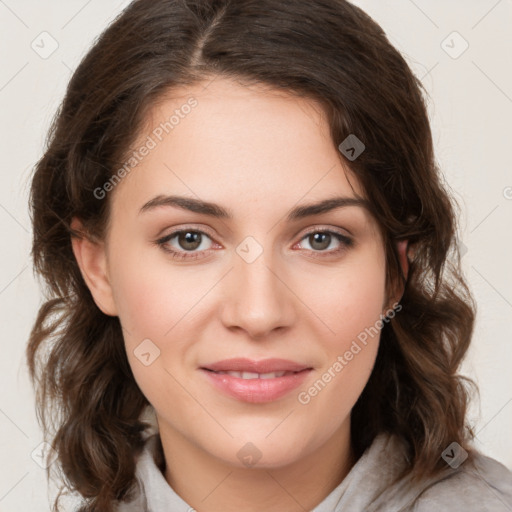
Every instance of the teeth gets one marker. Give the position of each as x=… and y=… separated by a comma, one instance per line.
x=252, y=375
x=249, y=375
x=272, y=375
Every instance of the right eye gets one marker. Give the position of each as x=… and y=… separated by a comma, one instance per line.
x=184, y=243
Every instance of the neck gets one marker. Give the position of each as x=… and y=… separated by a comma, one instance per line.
x=208, y=483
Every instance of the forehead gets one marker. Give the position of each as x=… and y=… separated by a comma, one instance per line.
x=244, y=146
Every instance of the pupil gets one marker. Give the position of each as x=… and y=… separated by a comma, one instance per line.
x=322, y=238
x=190, y=240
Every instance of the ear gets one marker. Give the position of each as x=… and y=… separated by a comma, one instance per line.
x=92, y=261
x=402, y=249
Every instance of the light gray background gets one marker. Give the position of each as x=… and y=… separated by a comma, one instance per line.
x=470, y=109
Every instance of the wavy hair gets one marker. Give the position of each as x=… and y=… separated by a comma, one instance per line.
x=87, y=399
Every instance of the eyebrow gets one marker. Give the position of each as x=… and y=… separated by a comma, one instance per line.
x=217, y=211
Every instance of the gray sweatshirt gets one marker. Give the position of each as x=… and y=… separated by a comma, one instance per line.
x=482, y=486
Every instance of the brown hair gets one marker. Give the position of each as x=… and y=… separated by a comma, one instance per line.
x=331, y=52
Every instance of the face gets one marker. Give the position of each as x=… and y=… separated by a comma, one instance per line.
x=255, y=278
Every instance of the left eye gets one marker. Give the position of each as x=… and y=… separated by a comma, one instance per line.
x=321, y=240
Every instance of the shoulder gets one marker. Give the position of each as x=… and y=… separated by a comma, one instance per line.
x=147, y=466
x=480, y=484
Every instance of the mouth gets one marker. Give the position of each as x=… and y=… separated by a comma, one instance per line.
x=256, y=381
x=253, y=375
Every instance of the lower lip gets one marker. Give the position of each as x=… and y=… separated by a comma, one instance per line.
x=256, y=390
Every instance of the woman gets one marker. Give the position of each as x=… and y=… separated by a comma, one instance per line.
x=245, y=233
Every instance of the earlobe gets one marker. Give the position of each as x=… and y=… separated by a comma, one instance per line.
x=92, y=261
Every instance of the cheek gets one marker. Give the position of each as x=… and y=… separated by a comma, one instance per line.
x=155, y=302
x=150, y=301
x=351, y=305
x=351, y=299
x=150, y=295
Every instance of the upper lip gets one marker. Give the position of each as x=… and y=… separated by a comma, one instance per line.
x=261, y=366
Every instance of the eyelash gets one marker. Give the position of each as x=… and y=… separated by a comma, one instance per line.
x=346, y=243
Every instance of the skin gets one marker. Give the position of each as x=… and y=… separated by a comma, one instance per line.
x=258, y=153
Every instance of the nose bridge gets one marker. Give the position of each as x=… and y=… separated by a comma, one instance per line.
x=258, y=301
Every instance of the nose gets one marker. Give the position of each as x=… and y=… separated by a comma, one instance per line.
x=258, y=298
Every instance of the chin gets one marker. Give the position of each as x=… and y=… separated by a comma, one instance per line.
x=261, y=453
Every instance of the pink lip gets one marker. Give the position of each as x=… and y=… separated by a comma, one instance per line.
x=256, y=390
